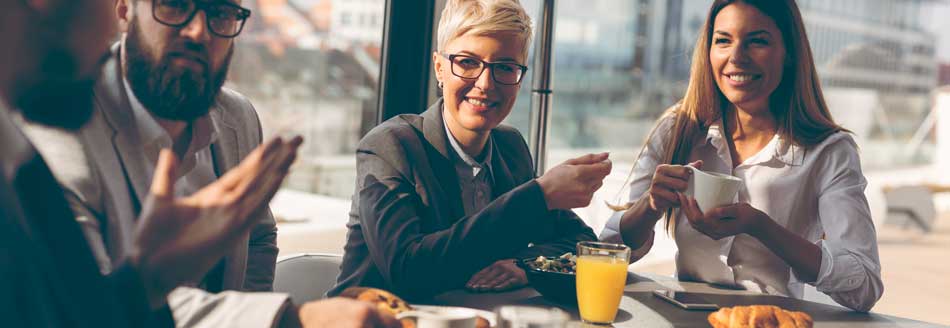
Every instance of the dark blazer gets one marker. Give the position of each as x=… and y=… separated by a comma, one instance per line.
x=48, y=276
x=102, y=169
x=408, y=232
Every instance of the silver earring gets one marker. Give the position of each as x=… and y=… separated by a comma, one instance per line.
x=441, y=85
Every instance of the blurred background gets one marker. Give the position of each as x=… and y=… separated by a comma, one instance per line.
x=313, y=67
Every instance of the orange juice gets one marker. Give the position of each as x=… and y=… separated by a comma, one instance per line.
x=600, y=284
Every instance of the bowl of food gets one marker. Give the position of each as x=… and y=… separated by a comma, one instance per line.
x=553, y=277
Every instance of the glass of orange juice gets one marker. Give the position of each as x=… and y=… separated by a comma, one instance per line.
x=601, y=278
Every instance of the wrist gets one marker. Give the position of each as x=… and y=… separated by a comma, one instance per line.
x=637, y=223
x=543, y=185
x=763, y=229
x=154, y=294
x=647, y=211
x=155, y=290
x=290, y=317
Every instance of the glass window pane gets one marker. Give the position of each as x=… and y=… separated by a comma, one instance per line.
x=618, y=65
x=311, y=68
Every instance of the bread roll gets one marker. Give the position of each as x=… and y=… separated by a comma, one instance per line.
x=389, y=303
x=759, y=316
x=385, y=301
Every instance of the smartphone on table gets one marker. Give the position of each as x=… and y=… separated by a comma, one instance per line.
x=688, y=301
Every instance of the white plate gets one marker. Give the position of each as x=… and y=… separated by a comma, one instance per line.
x=488, y=315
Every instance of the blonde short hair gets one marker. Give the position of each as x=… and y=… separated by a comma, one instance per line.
x=481, y=17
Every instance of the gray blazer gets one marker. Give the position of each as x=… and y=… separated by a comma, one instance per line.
x=101, y=169
x=408, y=231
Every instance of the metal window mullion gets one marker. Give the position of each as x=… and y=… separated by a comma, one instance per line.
x=406, y=58
x=541, y=91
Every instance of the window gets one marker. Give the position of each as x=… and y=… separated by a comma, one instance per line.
x=310, y=69
x=611, y=86
x=612, y=82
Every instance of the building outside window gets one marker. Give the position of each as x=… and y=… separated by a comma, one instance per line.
x=311, y=67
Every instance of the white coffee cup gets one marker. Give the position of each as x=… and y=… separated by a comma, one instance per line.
x=518, y=316
x=442, y=318
x=711, y=189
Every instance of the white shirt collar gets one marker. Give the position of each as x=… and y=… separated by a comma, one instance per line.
x=778, y=148
x=476, y=165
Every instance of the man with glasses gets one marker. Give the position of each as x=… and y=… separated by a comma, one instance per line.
x=161, y=88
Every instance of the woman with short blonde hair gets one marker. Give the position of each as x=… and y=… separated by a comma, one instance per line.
x=461, y=17
x=448, y=199
x=754, y=109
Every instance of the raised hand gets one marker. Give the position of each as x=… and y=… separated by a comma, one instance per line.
x=572, y=184
x=179, y=239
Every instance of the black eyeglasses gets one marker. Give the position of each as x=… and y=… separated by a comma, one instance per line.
x=470, y=68
x=224, y=19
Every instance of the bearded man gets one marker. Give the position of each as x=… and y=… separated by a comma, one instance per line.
x=161, y=88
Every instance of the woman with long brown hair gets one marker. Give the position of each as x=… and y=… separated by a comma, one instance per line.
x=754, y=109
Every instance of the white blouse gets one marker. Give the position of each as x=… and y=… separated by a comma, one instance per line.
x=816, y=193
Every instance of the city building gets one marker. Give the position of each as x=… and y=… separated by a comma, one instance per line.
x=358, y=20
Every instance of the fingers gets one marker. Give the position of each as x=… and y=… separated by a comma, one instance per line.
x=482, y=283
x=729, y=211
x=249, y=165
x=249, y=187
x=670, y=183
x=261, y=187
x=505, y=274
x=495, y=276
x=711, y=223
x=696, y=218
x=664, y=198
x=676, y=171
x=477, y=277
x=690, y=208
x=272, y=158
x=293, y=146
x=592, y=175
x=664, y=189
x=509, y=283
x=595, y=171
x=511, y=280
x=685, y=207
x=163, y=180
x=697, y=164
x=588, y=159
x=668, y=180
x=496, y=281
x=482, y=277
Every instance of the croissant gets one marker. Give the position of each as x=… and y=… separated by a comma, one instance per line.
x=385, y=301
x=758, y=316
x=391, y=304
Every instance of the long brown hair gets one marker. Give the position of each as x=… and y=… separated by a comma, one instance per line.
x=797, y=104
